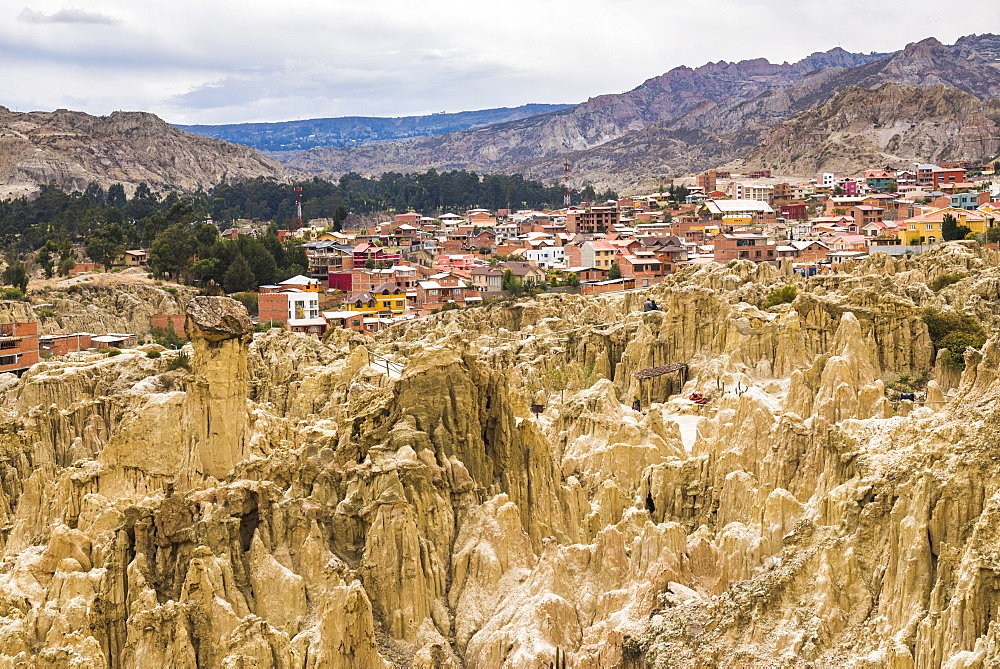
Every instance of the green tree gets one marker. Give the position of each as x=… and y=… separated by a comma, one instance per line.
x=950, y=229
x=892, y=187
x=370, y=263
x=239, y=277
x=573, y=279
x=615, y=272
x=45, y=260
x=993, y=234
x=105, y=244
x=339, y=216
x=507, y=279
x=16, y=274
x=172, y=251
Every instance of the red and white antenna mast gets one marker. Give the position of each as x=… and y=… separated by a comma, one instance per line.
x=566, y=184
x=298, y=207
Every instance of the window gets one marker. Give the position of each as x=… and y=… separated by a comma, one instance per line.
x=9, y=343
x=929, y=227
x=8, y=359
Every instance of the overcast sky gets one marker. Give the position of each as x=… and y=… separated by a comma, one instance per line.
x=217, y=61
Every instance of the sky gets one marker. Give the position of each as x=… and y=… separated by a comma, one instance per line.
x=218, y=61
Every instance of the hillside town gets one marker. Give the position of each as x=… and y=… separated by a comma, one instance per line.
x=416, y=265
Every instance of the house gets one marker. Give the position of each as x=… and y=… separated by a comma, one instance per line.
x=115, y=340
x=544, y=253
x=803, y=250
x=440, y=289
x=864, y=214
x=793, y=211
x=758, y=210
x=286, y=304
x=18, y=346
x=928, y=224
x=389, y=299
x=132, y=258
x=490, y=279
x=370, y=253
x=846, y=242
x=301, y=282
x=64, y=344
x=597, y=253
x=880, y=180
x=970, y=199
x=643, y=267
x=744, y=246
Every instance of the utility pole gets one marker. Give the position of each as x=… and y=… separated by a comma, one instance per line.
x=566, y=198
x=298, y=207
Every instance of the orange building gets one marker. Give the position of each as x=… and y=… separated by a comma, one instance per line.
x=18, y=346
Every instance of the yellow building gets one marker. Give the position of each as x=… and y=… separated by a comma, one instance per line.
x=387, y=299
x=928, y=224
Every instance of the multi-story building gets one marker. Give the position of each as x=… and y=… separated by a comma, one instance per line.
x=941, y=176
x=18, y=346
x=592, y=220
x=440, y=289
x=388, y=299
x=744, y=246
x=297, y=308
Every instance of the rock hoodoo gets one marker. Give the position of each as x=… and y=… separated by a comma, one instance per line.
x=286, y=502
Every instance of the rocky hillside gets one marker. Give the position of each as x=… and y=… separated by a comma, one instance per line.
x=353, y=130
x=888, y=125
x=74, y=149
x=689, y=120
x=284, y=502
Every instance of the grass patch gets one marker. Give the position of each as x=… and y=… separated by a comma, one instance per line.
x=954, y=333
x=783, y=295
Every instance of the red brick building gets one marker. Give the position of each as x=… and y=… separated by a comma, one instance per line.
x=745, y=246
x=18, y=346
x=169, y=321
x=591, y=220
x=64, y=344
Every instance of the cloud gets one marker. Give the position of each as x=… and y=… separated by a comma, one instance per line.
x=68, y=16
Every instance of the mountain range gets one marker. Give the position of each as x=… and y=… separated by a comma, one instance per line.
x=353, y=130
x=831, y=111
x=725, y=113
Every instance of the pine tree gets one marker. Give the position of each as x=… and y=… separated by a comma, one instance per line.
x=239, y=277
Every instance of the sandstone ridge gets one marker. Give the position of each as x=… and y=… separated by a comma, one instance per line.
x=286, y=502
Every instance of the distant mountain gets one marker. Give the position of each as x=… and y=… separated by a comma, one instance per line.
x=74, y=149
x=595, y=122
x=353, y=130
x=720, y=113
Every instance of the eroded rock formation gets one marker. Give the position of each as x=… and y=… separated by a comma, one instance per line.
x=291, y=503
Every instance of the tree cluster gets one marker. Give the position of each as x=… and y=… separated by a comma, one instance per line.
x=118, y=222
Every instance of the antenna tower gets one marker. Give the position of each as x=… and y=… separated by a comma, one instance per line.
x=566, y=201
x=298, y=207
